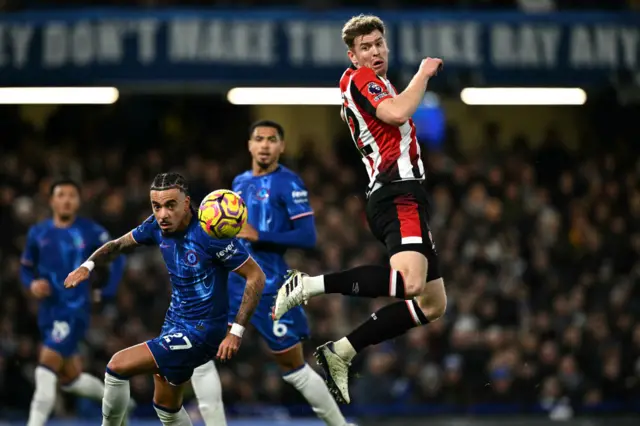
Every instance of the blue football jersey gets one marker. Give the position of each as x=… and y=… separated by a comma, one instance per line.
x=273, y=202
x=198, y=267
x=51, y=253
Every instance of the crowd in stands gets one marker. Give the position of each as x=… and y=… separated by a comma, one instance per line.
x=539, y=245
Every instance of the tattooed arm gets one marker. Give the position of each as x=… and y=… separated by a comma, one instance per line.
x=251, y=272
x=105, y=254
x=114, y=248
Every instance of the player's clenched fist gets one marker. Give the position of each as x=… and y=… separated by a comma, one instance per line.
x=229, y=347
x=431, y=66
x=76, y=277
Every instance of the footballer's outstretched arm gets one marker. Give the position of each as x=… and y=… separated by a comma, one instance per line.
x=255, y=278
x=108, y=252
x=114, y=248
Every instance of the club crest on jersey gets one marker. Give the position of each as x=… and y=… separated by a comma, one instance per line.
x=374, y=88
x=191, y=258
x=262, y=194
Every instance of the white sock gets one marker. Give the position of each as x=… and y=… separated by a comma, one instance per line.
x=312, y=387
x=86, y=386
x=344, y=349
x=44, y=396
x=167, y=418
x=208, y=390
x=115, y=402
x=314, y=285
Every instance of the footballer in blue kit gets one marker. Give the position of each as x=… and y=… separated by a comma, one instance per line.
x=279, y=218
x=55, y=247
x=195, y=327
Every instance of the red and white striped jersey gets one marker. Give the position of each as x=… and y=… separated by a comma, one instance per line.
x=389, y=153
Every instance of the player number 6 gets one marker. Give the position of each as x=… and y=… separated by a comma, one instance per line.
x=169, y=338
x=279, y=330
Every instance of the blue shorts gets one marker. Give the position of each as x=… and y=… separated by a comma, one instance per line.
x=180, y=349
x=63, y=335
x=279, y=335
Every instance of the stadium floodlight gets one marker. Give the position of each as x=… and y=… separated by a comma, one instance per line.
x=523, y=96
x=58, y=95
x=285, y=96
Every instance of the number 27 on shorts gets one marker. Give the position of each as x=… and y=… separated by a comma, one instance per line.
x=178, y=341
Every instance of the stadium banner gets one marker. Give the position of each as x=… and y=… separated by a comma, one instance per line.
x=440, y=421
x=113, y=46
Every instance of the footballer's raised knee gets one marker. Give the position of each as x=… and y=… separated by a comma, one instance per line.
x=413, y=267
x=433, y=311
x=117, y=364
x=414, y=287
x=433, y=300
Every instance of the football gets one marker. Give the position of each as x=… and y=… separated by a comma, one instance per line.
x=222, y=214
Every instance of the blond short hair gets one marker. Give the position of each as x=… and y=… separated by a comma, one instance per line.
x=360, y=25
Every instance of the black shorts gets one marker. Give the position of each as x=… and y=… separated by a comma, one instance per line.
x=398, y=215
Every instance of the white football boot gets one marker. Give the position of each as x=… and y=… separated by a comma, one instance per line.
x=291, y=294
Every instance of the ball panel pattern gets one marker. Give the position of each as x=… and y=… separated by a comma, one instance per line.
x=222, y=214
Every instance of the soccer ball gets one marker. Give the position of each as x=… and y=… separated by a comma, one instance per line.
x=222, y=214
